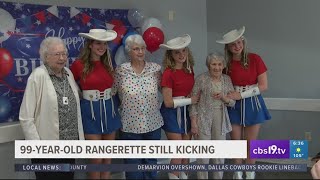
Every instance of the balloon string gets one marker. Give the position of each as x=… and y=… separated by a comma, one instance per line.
x=11, y=88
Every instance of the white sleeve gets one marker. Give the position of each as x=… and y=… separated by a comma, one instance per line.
x=250, y=92
x=28, y=110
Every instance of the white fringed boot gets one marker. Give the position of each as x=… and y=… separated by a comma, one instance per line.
x=172, y=176
x=250, y=175
x=183, y=175
x=237, y=175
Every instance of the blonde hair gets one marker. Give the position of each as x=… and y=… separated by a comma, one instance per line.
x=85, y=55
x=168, y=61
x=244, y=56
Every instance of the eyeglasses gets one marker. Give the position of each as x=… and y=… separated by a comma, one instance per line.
x=59, y=54
x=137, y=49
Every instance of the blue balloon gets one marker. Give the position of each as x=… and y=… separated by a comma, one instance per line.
x=5, y=108
x=129, y=33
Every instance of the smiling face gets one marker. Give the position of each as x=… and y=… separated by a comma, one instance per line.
x=57, y=57
x=236, y=47
x=98, y=48
x=215, y=68
x=179, y=56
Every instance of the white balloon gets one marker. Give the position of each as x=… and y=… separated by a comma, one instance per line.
x=7, y=24
x=120, y=56
x=135, y=17
x=150, y=22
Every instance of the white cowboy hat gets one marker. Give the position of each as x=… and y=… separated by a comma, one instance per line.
x=178, y=42
x=100, y=34
x=232, y=36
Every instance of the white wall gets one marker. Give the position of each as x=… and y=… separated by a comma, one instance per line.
x=190, y=17
x=286, y=35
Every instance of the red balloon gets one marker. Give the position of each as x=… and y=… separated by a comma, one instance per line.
x=153, y=37
x=120, y=28
x=6, y=62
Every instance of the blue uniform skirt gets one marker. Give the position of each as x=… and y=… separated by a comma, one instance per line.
x=249, y=111
x=100, y=125
x=170, y=120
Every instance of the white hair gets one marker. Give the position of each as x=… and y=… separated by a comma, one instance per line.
x=215, y=56
x=133, y=39
x=46, y=44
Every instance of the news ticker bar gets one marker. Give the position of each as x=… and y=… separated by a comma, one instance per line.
x=119, y=149
x=130, y=149
x=161, y=167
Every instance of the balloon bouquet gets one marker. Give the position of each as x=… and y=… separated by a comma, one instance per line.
x=151, y=31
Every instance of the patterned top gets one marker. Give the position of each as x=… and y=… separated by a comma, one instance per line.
x=217, y=87
x=68, y=121
x=138, y=93
x=203, y=109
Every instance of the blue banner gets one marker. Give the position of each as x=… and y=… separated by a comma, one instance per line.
x=162, y=167
x=24, y=26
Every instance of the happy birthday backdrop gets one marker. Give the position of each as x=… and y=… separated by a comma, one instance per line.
x=24, y=26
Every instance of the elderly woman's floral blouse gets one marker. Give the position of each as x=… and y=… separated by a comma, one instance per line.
x=138, y=93
x=203, y=109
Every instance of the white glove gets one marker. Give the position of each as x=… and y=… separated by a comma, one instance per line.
x=181, y=102
x=250, y=92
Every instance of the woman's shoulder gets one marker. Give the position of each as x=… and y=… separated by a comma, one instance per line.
x=254, y=57
x=77, y=62
x=168, y=70
x=77, y=65
x=122, y=66
x=153, y=67
x=38, y=72
x=203, y=76
x=226, y=77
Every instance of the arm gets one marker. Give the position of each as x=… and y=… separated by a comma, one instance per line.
x=261, y=86
x=263, y=82
x=193, y=109
x=158, y=75
x=116, y=82
x=194, y=126
x=28, y=110
x=167, y=84
x=167, y=97
x=228, y=88
x=169, y=102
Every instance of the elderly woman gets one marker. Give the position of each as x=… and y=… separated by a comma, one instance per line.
x=209, y=118
x=50, y=107
x=137, y=83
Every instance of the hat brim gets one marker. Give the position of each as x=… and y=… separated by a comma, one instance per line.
x=108, y=36
x=185, y=43
x=223, y=41
x=315, y=158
